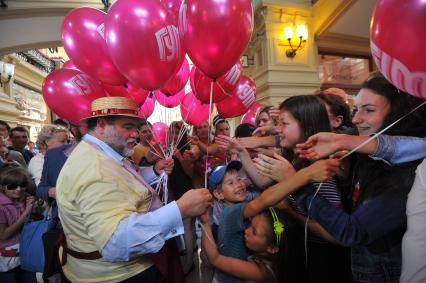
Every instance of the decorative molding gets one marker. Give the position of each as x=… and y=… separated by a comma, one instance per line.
x=342, y=43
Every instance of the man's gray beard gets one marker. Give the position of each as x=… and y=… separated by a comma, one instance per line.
x=114, y=140
x=127, y=152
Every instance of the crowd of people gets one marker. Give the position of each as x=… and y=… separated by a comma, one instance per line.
x=281, y=201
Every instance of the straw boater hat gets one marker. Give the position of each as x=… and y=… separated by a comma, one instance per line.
x=113, y=105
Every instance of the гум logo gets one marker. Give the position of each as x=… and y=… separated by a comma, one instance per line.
x=168, y=43
x=81, y=84
x=246, y=95
x=398, y=74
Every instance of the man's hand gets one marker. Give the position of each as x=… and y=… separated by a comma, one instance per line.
x=51, y=192
x=164, y=165
x=194, y=202
x=277, y=168
x=319, y=146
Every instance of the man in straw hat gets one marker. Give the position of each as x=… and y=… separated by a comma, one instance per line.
x=114, y=222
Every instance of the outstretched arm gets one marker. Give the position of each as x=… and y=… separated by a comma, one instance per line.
x=233, y=145
x=239, y=268
x=317, y=172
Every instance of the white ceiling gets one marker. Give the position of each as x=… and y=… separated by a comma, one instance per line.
x=356, y=20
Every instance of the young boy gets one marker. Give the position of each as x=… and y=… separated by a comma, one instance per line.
x=230, y=194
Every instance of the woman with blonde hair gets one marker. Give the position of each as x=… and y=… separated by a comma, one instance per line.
x=50, y=136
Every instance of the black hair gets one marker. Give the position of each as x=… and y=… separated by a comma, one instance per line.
x=376, y=177
x=244, y=130
x=281, y=259
x=17, y=175
x=19, y=129
x=339, y=108
x=312, y=118
x=92, y=122
x=144, y=122
x=4, y=123
x=61, y=122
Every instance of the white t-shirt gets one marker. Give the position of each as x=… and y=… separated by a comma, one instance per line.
x=35, y=167
x=414, y=241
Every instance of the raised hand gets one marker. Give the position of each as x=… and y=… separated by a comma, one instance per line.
x=274, y=113
x=277, y=168
x=319, y=146
x=164, y=165
x=228, y=143
x=265, y=130
x=194, y=202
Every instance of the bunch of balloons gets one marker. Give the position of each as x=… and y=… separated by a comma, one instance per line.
x=138, y=50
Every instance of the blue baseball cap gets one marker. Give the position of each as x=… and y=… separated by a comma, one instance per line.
x=218, y=173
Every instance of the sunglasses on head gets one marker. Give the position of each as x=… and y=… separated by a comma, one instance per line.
x=11, y=187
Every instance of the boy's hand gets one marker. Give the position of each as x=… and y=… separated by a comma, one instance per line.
x=205, y=217
x=277, y=168
x=322, y=170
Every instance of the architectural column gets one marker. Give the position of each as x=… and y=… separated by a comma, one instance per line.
x=276, y=75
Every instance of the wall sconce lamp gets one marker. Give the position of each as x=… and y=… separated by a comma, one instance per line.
x=6, y=73
x=296, y=36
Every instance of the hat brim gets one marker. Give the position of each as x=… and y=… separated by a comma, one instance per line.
x=118, y=114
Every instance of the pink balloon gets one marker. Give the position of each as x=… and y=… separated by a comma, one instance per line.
x=159, y=129
x=193, y=111
x=169, y=101
x=146, y=109
x=215, y=33
x=241, y=100
x=69, y=65
x=143, y=42
x=70, y=92
x=82, y=35
x=255, y=107
x=401, y=61
x=201, y=85
x=177, y=83
x=249, y=118
x=229, y=81
x=173, y=6
x=129, y=90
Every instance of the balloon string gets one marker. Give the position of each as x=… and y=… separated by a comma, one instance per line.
x=208, y=137
x=382, y=131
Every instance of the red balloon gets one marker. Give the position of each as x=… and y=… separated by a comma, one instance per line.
x=193, y=111
x=173, y=6
x=70, y=92
x=159, y=129
x=169, y=101
x=229, y=81
x=249, y=118
x=398, y=42
x=215, y=33
x=69, y=65
x=143, y=42
x=201, y=84
x=255, y=107
x=241, y=100
x=129, y=90
x=82, y=35
x=146, y=109
x=178, y=82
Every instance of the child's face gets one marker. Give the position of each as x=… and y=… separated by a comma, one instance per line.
x=233, y=188
x=289, y=130
x=256, y=235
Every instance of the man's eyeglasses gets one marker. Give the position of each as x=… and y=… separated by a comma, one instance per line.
x=12, y=187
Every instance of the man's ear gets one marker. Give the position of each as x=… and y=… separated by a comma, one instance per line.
x=218, y=194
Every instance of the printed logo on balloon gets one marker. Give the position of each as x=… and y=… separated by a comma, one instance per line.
x=168, y=43
x=81, y=83
x=396, y=72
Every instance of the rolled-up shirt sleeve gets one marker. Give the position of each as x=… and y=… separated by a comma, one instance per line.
x=399, y=149
x=140, y=234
